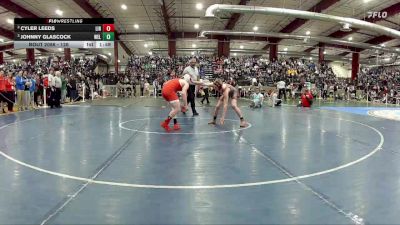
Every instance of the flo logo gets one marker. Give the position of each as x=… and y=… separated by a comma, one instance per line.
x=380, y=15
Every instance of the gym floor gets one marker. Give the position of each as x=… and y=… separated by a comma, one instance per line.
x=110, y=162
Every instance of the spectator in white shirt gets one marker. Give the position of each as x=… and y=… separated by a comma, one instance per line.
x=281, y=85
x=253, y=81
x=325, y=91
x=274, y=100
x=257, y=99
x=50, y=78
x=147, y=88
x=155, y=87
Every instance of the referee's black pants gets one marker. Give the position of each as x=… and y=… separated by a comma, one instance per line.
x=191, y=97
x=282, y=91
x=57, y=99
x=205, y=96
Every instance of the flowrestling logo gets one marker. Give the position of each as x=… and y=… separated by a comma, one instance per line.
x=380, y=15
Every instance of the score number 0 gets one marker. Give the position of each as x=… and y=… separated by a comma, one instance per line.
x=108, y=32
x=108, y=27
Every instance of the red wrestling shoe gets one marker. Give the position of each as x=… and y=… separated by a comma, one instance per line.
x=177, y=126
x=165, y=126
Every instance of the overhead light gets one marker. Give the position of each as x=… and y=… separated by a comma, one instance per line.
x=72, y=56
x=199, y=6
x=59, y=12
x=192, y=53
x=10, y=21
x=235, y=54
x=124, y=7
x=60, y=49
x=193, y=45
x=397, y=49
x=350, y=38
x=310, y=58
x=13, y=60
x=136, y=26
x=196, y=26
x=255, y=28
x=285, y=49
x=241, y=47
x=324, y=52
x=308, y=32
x=109, y=53
x=150, y=53
x=1, y=40
x=383, y=45
x=119, y=60
x=145, y=45
x=346, y=27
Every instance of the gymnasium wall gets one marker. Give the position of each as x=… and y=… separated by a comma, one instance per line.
x=343, y=71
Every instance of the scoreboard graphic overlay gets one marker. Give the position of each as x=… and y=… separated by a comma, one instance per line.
x=64, y=33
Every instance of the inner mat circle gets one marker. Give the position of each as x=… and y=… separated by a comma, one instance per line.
x=189, y=125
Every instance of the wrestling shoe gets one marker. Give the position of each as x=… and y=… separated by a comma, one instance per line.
x=243, y=124
x=177, y=126
x=213, y=122
x=165, y=126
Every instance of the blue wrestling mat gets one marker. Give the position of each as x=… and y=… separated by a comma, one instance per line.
x=391, y=113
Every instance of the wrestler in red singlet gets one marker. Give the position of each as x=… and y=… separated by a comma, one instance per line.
x=170, y=89
x=169, y=93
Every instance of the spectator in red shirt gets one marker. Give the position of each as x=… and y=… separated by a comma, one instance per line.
x=2, y=91
x=10, y=90
x=306, y=99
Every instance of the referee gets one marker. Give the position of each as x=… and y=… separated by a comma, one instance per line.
x=193, y=72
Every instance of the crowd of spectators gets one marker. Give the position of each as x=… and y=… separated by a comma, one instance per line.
x=246, y=69
x=24, y=84
x=380, y=83
x=291, y=75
